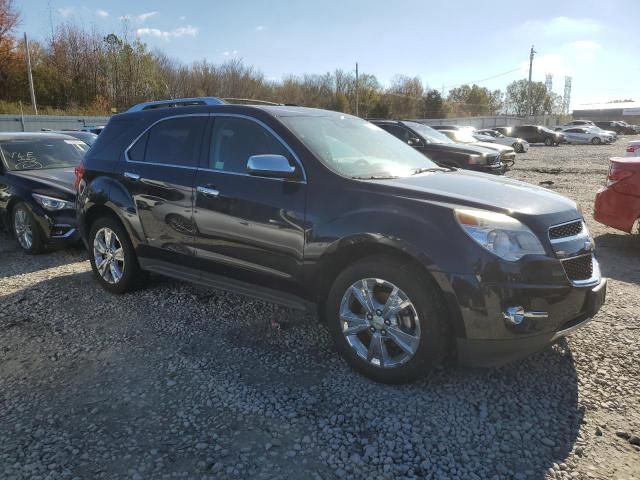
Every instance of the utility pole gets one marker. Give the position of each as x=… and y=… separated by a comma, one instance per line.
x=28, y=55
x=357, y=97
x=533, y=52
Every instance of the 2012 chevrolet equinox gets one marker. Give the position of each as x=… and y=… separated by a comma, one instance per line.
x=407, y=261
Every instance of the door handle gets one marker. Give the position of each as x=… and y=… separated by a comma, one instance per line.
x=132, y=176
x=208, y=192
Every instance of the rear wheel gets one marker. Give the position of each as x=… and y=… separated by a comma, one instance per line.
x=596, y=141
x=26, y=230
x=518, y=147
x=548, y=141
x=387, y=320
x=113, y=258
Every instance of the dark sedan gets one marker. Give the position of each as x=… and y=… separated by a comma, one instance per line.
x=37, y=195
x=443, y=150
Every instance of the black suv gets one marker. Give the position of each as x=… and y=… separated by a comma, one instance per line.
x=533, y=134
x=441, y=149
x=617, y=127
x=407, y=261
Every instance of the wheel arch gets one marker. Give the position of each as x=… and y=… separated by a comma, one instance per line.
x=107, y=197
x=354, y=249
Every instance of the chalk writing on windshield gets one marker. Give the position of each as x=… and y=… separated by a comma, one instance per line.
x=24, y=160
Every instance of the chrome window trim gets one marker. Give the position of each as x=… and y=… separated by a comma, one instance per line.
x=237, y=115
x=144, y=132
x=277, y=137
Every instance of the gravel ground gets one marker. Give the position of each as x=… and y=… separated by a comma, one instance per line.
x=180, y=381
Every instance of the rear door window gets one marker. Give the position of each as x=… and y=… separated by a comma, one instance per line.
x=175, y=141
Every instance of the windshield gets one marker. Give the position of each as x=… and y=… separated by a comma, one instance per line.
x=356, y=148
x=428, y=133
x=42, y=153
x=462, y=136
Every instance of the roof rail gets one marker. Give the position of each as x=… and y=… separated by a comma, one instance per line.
x=249, y=101
x=177, y=102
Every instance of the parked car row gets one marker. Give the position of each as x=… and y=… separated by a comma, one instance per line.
x=407, y=260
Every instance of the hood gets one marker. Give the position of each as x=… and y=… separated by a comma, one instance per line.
x=494, y=146
x=50, y=180
x=468, y=148
x=537, y=207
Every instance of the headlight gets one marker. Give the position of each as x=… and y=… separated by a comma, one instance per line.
x=476, y=159
x=502, y=235
x=51, y=203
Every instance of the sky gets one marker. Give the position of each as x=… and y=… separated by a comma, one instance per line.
x=445, y=43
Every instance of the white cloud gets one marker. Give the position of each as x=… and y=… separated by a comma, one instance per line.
x=565, y=60
x=66, y=12
x=260, y=28
x=143, y=17
x=230, y=53
x=187, y=31
x=102, y=13
x=562, y=26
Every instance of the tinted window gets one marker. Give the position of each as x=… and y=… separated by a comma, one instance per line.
x=174, y=141
x=397, y=131
x=139, y=148
x=235, y=139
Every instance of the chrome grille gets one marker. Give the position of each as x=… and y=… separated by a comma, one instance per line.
x=566, y=230
x=579, y=268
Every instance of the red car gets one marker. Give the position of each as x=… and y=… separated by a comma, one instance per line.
x=618, y=203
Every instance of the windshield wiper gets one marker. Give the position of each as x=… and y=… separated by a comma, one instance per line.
x=374, y=177
x=431, y=169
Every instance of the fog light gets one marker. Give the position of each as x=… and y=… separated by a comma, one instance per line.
x=517, y=314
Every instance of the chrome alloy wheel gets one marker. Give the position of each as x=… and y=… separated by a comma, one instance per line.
x=22, y=229
x=108, y=255
x=379, y=322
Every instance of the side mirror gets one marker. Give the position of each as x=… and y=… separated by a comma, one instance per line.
x=276, y=166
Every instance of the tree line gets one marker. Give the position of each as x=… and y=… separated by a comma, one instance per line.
x=84, y=70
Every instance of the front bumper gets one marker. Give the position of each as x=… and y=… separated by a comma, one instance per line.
x=492, y=352
x=495, y=168
x=59, y=228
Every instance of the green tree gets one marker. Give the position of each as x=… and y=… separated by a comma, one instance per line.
x=434, y=105
x=518, y=95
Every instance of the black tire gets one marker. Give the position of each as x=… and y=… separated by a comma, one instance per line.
x=132, y=275
x=433, y=343
x=36, y=235
x=518, y=147
x=548, y=141
x=596, y=141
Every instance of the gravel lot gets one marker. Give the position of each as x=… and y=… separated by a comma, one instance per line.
x=180, y=381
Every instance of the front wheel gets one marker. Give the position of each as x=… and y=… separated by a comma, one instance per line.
x=548, y=141
x=387, y=320
x=518, y=147
x=26, y=230
x=113, y=258
x=596, y=141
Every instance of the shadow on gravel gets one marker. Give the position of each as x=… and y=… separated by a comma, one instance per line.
x=34, y=263
x=619, y=256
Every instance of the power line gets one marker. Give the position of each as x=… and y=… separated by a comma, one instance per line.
x=482, y=80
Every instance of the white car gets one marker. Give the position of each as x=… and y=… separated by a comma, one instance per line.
x=518, y=144
x=586, y=135
x=633, y=149
x=593, y=128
